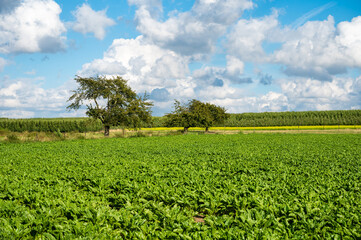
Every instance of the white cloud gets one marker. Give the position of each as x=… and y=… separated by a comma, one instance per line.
x=234, y=66
x=157, y=61
x=20, y=97
x=145, y=65
x=349, y=38
x=194, y=32
x=90, y=21
x=16, y=114
x=218, y=76
x=269, y=102
x=340, y=93
x=32, y=26
x=301, y=94
x=320, y=50
x=247, y=36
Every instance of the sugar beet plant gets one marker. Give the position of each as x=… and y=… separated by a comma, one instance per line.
x=241, y=186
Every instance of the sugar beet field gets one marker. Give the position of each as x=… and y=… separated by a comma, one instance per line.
x=254, y=186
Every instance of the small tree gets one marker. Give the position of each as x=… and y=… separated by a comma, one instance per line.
x=207, y=114
x=111, y=101
x=196, y=114
x=180, y=117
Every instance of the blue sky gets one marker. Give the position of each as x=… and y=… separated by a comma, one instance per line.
x=245, y=55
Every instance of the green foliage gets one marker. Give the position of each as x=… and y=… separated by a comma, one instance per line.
x=59, y=134
x=251, y=186
x=207, y=114
x=138, y=134
x=309, y=118
x=111, y=101
x=195, y=114
x=180, y=117
x=13, y=138
x=51, y=125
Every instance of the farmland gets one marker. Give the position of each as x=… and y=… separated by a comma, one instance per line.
x=183, y=187
x=242, y=121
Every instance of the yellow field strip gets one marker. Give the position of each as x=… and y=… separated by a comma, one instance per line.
x=257, y=128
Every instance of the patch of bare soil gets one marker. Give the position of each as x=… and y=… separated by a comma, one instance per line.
x=199, y=218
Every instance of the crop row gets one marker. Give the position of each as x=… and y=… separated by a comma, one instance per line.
x=254, y=186
x=307, y=118
x=49, y=125
x=243, y=120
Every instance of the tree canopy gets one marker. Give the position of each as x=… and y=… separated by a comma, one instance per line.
x=195, y=114
x=111, y=101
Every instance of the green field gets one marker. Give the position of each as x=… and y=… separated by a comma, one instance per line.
x=254, y=186
x=308, y=119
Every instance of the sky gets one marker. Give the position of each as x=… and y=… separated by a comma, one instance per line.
x=244, y=55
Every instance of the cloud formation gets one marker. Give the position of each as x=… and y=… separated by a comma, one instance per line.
x=246, y=38
x=320, y=50
x=193, y=32
x=26, y=98
x=209, y=52
x=32, y=26
x=90, y=21
x=145, y=65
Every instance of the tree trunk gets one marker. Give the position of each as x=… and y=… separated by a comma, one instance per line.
x=207, y=128
x=185, y=130
x=106, y=131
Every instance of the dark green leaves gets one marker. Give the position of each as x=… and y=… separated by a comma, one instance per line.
x=195, y=114
x=251, y=186
x=112, y=101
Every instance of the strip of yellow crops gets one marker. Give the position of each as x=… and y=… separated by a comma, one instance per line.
x=258, y=128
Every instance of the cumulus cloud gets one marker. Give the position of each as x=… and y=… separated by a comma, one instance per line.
x=246, y=38
x=216, y=76
x=26, y=97
x=32, y=26
x=192, y=32
x=301, y=94
x=90, y=21
x=157, y=61
x=320, y=50
x=340, y=93
x=316, y=49
x=270, y=102
x=145, y=65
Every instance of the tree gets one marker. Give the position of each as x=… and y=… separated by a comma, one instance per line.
x=195, y=114
x=111, y=101
x=207, y=114
x=180, y=117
